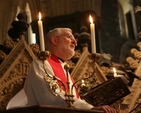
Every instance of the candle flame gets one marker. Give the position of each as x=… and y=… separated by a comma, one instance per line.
x=114, y=70
x=83, y=84
x=83, y=81
x=91, y=19
x=40, y=16
x=115, y=73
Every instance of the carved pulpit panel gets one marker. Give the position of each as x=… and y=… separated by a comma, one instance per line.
x=133, y=99
x=83, y=68
x=14, y=70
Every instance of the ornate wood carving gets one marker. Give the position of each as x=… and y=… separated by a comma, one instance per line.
x=83, y=68
x=2, y=56
x=14, y=69
x=133, y=99
x=48, y=109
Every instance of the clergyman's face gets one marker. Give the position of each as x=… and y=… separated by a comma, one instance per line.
x=66, y=44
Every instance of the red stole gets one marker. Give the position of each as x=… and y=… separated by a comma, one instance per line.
x=58, y=71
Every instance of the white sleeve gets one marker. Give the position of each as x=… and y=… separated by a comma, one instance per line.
x=82, y=104
x=19, y=100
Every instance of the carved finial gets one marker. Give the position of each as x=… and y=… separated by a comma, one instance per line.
x=35, y=48
x=18, y=27
x=136, y=53
x=84, y=37
x=95, y=57
x=9, y=44
x=2, y=56
x=137, y=9
x=132, y=63
x=139, y=45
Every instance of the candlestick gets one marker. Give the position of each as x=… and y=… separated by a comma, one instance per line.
x=92, y=28
x=41, y=34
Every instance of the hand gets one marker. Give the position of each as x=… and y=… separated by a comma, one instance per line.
x=106, y=109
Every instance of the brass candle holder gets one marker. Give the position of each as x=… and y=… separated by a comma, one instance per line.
x=54, y=87
x=69, y=93
x=85, y=84
x=43, y=55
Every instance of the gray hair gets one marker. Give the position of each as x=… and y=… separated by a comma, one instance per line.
x=54, y=32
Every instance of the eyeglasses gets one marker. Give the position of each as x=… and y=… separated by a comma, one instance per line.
x=70, y=36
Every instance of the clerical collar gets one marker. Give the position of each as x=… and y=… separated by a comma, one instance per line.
x=58, y=58
x=61, y=59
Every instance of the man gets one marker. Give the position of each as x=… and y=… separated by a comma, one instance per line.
x=61, y=44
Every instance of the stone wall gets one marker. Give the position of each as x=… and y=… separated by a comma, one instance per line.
x=111, y=39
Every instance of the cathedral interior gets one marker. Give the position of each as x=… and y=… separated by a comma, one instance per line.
x=117, y=42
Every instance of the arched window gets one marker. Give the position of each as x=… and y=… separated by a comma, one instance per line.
x=31, y=35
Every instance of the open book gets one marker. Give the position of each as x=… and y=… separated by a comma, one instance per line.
x=107, y=93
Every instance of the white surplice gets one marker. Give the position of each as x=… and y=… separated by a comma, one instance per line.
x=37, y=91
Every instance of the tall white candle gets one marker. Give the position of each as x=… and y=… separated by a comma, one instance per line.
x=33, y=38
x=41, y=34
x=92, y=28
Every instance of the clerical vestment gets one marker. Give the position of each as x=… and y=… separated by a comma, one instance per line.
x=37, y=90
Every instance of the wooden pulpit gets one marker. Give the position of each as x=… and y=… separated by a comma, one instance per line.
x=48, y=109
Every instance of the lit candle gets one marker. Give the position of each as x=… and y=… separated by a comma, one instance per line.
x=115, y=73
x=92, y=28
x=82, y=84
x=41, y=34
x=124, y=79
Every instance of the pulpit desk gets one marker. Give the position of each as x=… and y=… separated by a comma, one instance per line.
x=48, y=109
